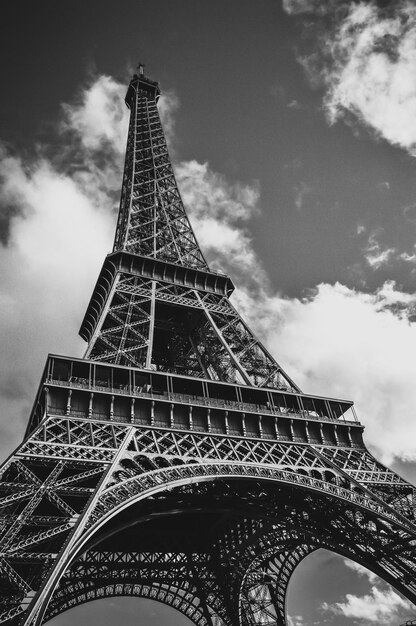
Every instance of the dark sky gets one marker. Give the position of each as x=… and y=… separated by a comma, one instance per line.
x=246, y=107
x=306, y=118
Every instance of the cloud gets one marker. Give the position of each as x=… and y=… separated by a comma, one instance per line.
x=297, y=7
x=295, y=105
x=375, y=255
x=381, y=604
x=361, y=570
x=345, y=343
x=56, y=237
x=408, y=258
x=377, y=606
x=365, y=57
x=97, y=117
x=168, y=105
x=383, y=186
x=378, y=256
x=219, y=211
x=295, y=620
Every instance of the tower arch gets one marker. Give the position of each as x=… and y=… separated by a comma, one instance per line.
x=264, y=529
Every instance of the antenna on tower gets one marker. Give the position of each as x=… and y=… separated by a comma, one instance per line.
x=140, y=69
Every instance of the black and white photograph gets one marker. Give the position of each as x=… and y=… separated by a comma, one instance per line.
x=208, y=313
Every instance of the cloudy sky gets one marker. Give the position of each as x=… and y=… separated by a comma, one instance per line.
x=292, y=127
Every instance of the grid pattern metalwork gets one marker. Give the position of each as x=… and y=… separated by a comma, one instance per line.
x=152, y=219
x=178, y=461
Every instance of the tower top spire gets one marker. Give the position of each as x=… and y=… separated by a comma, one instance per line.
x=152, y=219
x=144, y=84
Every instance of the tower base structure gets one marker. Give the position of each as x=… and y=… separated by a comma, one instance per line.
x=198, y=494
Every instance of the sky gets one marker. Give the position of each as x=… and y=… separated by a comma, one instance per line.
x=292, y=129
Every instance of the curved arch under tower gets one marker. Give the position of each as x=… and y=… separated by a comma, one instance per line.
x=185, y=545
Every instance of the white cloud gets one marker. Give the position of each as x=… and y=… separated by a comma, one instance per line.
x=381, y=604
x=375, y=255
x=408, y=258
x=391, y=296
x=219, y=211
x=367, y=62
x=350, y=344
x=373, y=607
x=295, y=620
x=98, y=117
x=361, y=570
x=168, y=105
x=209, y=192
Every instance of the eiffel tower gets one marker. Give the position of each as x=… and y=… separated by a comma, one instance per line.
x=177, y=460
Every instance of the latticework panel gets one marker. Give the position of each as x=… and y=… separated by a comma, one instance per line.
x=42, y=503
x=172, y=578
x=173, y=328
x=383, y=482
x=152, y=220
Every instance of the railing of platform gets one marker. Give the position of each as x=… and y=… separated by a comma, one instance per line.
x=229, y=405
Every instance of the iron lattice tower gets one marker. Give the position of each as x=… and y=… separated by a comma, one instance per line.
x=178, y=461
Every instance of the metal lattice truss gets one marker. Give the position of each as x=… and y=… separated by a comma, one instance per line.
x=173, y=328
x=252, y=558
x=206, y=498
x=164, y=324
x=184, y=581
x=152, y=220
x=73, y=476
x=42, y=500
